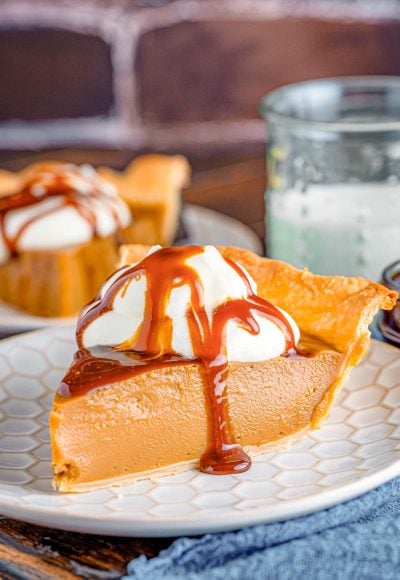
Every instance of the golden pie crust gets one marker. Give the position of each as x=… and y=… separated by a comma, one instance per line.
x=9, y=182
x=151, y=185
x=156, y=424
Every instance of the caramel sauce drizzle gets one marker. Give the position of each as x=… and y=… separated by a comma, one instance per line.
x=51, y=182
x=165, y=270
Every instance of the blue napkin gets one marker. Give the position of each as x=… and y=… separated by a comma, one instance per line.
x=357, y=540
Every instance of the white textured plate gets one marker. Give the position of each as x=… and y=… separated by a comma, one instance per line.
x=356, y=450
x=203, y=226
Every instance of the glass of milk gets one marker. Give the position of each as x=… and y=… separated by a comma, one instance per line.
x=333, y=158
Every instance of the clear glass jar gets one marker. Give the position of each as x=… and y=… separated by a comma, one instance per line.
x=333, y=157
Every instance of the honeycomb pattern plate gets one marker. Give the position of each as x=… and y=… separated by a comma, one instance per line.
x=357, y=449
x=203, y=226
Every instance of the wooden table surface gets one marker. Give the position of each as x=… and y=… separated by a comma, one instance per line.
x=235, y=187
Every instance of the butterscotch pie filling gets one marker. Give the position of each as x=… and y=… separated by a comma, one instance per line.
x=184, y=360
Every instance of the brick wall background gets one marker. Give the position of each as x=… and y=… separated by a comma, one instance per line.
x=175, y=75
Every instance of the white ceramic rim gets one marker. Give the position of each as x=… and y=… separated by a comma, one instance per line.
x=184, y=526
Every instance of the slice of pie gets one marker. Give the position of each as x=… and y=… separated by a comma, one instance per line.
x=203, y=357
x=60, y=228
x=152, y=185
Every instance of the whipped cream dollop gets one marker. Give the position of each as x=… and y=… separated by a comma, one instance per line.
x=220, y=284
x=57, y=206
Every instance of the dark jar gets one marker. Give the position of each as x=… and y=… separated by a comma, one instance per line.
x=389, y=322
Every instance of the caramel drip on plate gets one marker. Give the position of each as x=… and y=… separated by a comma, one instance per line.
x=165, y=270
x=100, y=366
x=56, y=182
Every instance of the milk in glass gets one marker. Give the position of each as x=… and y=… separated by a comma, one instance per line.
x=348, y=229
